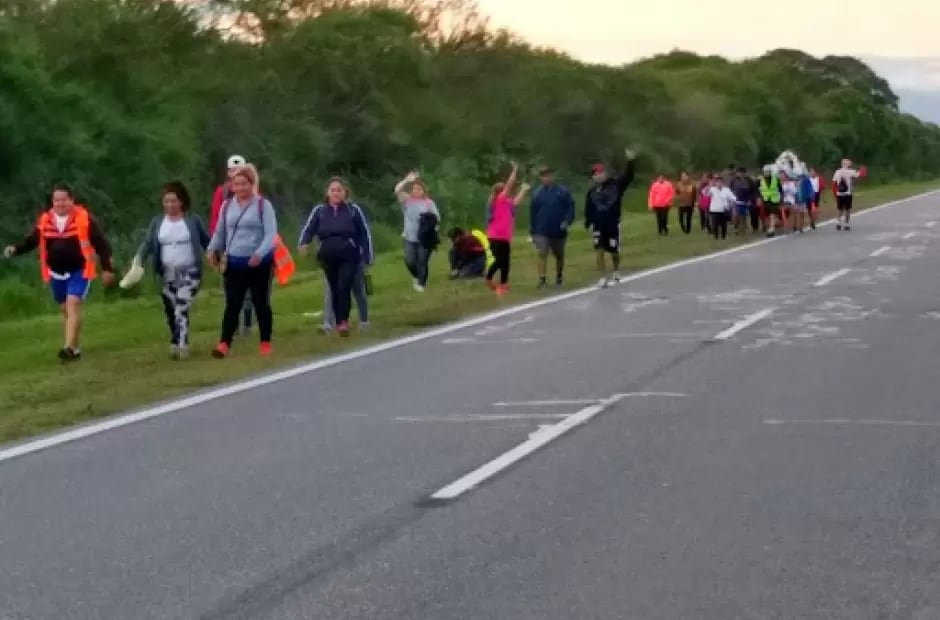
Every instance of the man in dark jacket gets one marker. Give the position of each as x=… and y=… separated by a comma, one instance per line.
x=550, y=215
x=745, y=193
x=602, y=210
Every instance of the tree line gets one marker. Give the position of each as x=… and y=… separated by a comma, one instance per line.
x=119, y=96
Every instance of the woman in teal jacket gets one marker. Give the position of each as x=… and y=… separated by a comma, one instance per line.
x=175, y=243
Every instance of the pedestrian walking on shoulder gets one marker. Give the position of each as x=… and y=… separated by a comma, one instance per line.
x=662, y=193
x=418, y=210
x=175, y=242
x=344, y=242
x=242, y=249
x=551, y=214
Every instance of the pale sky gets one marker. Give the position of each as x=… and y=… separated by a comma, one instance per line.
x=617, y=31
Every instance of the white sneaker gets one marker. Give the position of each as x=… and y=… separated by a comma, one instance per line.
x=604, y=282
x=417, y=287
x=326, y=329
x=616, y=276
x=364, y=326
x=182, y=353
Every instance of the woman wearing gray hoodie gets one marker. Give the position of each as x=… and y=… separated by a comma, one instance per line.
x=412, y=194
x=242, y=248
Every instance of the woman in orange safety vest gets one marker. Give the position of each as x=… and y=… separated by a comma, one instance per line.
x=68, y=239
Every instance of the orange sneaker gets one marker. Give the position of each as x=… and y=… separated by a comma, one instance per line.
x=265, y=348
x=220, y=351
x=502, y=289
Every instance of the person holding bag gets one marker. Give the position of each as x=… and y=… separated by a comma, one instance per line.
x=175, y=242
x=242, y=248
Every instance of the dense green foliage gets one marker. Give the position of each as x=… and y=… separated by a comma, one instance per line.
x=118, y=96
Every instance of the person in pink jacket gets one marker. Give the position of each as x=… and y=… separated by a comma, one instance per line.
x=662, y=193
x=500, y=228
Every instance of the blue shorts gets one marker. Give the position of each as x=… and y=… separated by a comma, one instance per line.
x=743, y=209
x=74, y=285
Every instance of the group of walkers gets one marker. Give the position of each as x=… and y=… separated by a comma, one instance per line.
x=242, y=242
x=782, y=198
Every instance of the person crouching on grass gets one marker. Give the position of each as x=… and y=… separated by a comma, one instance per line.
x=242, y=248
x=500, y=228
x=345, y=242
x=68, y=238
x=175, y=242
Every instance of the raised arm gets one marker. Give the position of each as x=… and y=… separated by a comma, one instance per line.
x=511, y=181
x=523, y=190
x=400, y=187
x=629, y=173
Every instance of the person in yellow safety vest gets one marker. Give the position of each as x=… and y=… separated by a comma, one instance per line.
x=470, y=254
x=485, y=242
x=68, y=239
x=771, y=196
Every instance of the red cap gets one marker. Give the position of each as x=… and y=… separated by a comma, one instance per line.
x=597, y=169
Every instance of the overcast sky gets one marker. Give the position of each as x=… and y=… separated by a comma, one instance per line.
x=615, y=31
x=898, y=37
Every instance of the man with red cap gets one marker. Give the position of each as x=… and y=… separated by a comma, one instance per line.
x=602, y=211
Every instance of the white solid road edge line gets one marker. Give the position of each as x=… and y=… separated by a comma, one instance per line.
x=829, y=277
x=881, y=250
x=863, y=422
x=544, y=436
x=81, y=432
x=744, y=324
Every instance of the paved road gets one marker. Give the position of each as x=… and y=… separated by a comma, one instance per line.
x=787, y=469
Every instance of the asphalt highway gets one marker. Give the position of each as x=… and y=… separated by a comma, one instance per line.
x=752, y=435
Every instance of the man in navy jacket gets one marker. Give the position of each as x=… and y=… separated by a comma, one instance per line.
x=551, y=214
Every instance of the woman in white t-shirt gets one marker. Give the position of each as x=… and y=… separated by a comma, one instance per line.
x=175, y=243
x=789, y=190
x=721, y=207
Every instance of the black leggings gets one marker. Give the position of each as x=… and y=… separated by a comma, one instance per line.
x=238, y=281
x=501, y=255
x=719, y=224
x=662, y=221
x=685, y=219
x=704, y=220
x=341, y=276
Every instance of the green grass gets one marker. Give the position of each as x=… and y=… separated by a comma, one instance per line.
x=126, y=362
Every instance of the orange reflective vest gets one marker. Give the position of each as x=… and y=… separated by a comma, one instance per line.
x=284, y=266
x=78, y=225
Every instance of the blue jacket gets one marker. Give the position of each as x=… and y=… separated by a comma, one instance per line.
x=805, y=193
x=150, y=248
x=343, y=233
x=551, y=212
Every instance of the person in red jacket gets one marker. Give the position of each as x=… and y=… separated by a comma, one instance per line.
x=223, y=193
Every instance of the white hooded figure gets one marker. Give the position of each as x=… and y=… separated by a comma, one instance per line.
x=789, y=163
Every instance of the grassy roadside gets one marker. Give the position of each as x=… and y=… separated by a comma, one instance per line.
x=126, y=362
